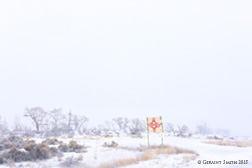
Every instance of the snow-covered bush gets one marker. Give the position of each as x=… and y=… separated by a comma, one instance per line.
x=71, y=161
x=53, y=141
x=15, y=155
x=40, y=151
x=72, y=147
x=113, y=144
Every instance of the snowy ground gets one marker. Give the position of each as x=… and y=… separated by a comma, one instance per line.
x=97, y=154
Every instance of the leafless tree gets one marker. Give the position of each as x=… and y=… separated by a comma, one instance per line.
x=129, y=126
x=182, y=130
x=203, y=129
x=21, y=127
x=170, y=128
x=38, y=116
x=3, y=126
x=69, y=122
x=109, y=125
x=136, y=127
x=56, y=117
x=122, y=123
x=104, y=129
x=223, y=132
x=108, y=128
x=95, y=130
x=17, y=125
x=79, y=122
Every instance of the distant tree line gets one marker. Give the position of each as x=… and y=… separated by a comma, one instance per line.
x=56, y=123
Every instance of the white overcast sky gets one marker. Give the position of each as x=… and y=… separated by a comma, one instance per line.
x=188, y=61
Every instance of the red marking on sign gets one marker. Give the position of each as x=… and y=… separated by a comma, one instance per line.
x=154, y=125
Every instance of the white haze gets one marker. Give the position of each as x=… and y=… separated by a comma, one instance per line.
x=188, y=61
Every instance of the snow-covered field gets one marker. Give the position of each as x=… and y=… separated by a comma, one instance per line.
x=97, y=155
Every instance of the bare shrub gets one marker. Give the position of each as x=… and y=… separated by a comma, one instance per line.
x=63, y=147
x=59, y=156
x=29, y=146
x=113, y=144
x=12, y=141
x=10, y=163
x=214, y=137
x=15, y=155
x=17, y=141
x=41, y=152
x=54, y=151
x=71, y=161
x=1, y=147
x=72, y=147
x=8, y=145
x=53, y=141
x=75, y=147
x=80, y=157
x=33, y=152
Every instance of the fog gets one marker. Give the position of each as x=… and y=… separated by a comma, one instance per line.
x=187, y=61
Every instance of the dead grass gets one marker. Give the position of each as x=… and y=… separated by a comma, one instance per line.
x=92, y=138
x=148, y=154
x=162, y=149
x=230, y=143
x=85, y=138
x=28, y=138
x=188, y=158
x=119, y=163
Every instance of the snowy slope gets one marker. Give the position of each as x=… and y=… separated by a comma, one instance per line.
x=97, y=154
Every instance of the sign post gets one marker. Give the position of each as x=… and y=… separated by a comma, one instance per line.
x=148, y=142
x=154, y=124
x=162, y=137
